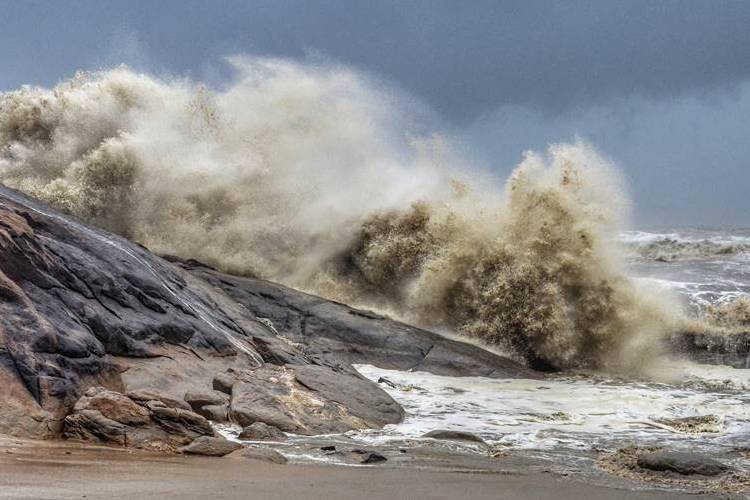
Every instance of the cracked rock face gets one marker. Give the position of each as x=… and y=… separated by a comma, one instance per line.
x=81, y=308
x=113, y=418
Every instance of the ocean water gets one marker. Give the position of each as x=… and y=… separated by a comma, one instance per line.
x=575, y=413
x=705, y=267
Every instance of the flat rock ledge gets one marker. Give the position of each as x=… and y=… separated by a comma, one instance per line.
x=211, y=446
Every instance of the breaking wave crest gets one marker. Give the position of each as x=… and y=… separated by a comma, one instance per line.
x=313, y=176
x=673, y=247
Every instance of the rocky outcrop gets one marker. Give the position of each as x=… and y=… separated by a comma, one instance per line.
x=110, y=417
x=80, y=307
x=330, y=333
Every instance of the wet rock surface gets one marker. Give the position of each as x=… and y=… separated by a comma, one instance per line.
x=454, y=436
x=690, y=471
x=682, y=463
x=333, y=334
x=80, y=307
x=368, y=457
x=287, y=398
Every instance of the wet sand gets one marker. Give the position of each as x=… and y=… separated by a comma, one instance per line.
x=32, y=470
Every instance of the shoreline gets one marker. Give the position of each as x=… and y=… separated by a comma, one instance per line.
x=63, y=470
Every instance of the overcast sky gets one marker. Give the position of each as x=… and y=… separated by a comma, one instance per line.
x=662, y=87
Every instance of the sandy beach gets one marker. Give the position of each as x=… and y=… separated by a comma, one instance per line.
x=34, y=470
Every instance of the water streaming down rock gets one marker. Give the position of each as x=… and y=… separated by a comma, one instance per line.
x=313, y=176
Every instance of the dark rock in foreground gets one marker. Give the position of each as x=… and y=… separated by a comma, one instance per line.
x=80, y=307
x=368, y=457
x=453, y=436
x=211, y=446
x=681, y=463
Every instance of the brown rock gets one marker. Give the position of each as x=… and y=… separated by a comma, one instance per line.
x=215, y=413
x=223, y=382
x=144, y=395
x=264, y=454
x=152, y=425
x=199, y=399
x=91, y=425
x=262, y=432
x=211, y=446
x=114, y=406
x=453, y=436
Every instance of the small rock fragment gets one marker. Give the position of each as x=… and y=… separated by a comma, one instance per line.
x=453, y=436
x=368, y=457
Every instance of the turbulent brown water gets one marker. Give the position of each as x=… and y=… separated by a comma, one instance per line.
x=314, y=176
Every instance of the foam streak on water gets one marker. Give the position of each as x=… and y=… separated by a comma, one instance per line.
x=575, y=413
x=706, y=267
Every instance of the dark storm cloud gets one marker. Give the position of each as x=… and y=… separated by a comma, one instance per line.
x=660, y=86
x=463, y=57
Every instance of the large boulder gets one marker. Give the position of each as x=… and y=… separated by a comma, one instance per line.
x=81, y=307
x=291, y=399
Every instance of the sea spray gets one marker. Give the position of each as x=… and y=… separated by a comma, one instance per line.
x=540, y=277
x=313, y=176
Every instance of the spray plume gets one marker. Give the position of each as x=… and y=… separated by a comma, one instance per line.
x=313, y=176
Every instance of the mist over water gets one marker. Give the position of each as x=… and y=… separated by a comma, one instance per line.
x=314, y=176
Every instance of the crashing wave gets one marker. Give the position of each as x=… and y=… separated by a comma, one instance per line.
x=312, y=176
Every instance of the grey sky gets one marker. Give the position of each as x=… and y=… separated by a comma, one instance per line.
x=662, y=87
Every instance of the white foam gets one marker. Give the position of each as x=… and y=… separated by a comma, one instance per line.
x=561, y=412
